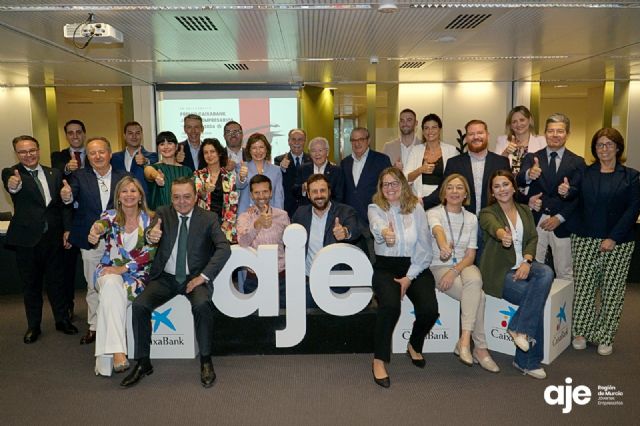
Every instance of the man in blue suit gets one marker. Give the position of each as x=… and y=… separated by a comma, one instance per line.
x=291, y=165
x=92, y=188
x=319, y=164
x=543, y=172
x=188, y=150
x=134, y=157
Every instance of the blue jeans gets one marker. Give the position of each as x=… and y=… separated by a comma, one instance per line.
x=530, y=295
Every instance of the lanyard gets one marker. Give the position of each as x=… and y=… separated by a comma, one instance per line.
x=455, y=243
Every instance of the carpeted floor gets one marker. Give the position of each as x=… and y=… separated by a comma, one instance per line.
x=51, y=382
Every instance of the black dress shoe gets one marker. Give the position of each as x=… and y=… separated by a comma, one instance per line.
x=385, y=382
x=207, y=374
x=31, y=335
x=66, y=327
x=88, y=338
x=139, y=371
x=417, y=362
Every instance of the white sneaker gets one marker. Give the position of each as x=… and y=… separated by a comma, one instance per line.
x=538, y=373
x=579, y=343
x=605, y=350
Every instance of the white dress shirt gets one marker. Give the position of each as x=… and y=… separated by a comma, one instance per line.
x=358, y=166
x=316, y=236
x=170, y=267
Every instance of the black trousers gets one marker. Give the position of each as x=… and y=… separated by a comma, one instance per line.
x=160, y=291
x=422, y=294
x=39, y=265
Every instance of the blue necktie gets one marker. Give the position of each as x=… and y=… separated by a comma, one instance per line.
x=181, y=257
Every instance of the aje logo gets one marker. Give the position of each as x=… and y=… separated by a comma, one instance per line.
x=564, y=396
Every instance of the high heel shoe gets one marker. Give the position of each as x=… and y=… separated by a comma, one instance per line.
x=385, y=382
x=420, y=363
x=464, y=354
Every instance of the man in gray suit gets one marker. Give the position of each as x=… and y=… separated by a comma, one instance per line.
x=191, y=252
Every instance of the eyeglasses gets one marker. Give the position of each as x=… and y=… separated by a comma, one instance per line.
x=393, y=184
x=606, y=145
x=358, y=140
x=103, y=185
x=29, y=152
x=232, y=132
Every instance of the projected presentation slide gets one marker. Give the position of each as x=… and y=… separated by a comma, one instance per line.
x=272, y=113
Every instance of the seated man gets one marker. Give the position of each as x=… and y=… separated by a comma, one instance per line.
x=263, y=224
x=183, y=231
x=326, y=222
x=319, y=150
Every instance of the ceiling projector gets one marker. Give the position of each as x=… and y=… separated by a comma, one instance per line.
x=97, y=32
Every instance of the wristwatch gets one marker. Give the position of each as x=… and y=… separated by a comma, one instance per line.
x=529, y=261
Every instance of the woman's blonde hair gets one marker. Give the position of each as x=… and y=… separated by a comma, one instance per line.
x=443, y=188
x=142, y=204
x=408, y=200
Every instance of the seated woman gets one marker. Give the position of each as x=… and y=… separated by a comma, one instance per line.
x=161, y=174
x=455, y=232
x=403, y=252
x=216, y=187
x=122, y=272
x=509, y=270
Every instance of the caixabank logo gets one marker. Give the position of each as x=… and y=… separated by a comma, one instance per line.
x=500, y=332
x=164, y=331
x=437, y=332
x=562, y=326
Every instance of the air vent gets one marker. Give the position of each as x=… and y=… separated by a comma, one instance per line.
x=197, y=23
x=411, y=65
x=467, y=21
x=237, y=67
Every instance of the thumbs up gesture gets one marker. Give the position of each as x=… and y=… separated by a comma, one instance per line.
x=266, y=216
x=563, y=188
x=446, y=251
x=389, y=235
x=339, y=232
x=180, y=154
x=535, y=171
x=14, y=181
x=244, y=171
x=140, y=159
x=96, y=231
x=209, y=184
x=535, y=202
x=155, y=233
x=72, y=165
x=284, y=164
x=507, y=238
x=159, y=179
x=66, y=193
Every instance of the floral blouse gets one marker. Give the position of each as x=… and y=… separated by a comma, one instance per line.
x=230, y=197
x=138, y=261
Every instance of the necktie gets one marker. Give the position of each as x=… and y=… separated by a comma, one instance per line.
x=552, y=167
x=34, y=173
x=76, y=154
x=297, y=163
x=181, y=257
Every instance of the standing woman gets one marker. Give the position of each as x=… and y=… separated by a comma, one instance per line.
x=216, y=187
x=509, y=270
x=454, y=244
x=520, y=138
x=603, y=240
x=259, y=154
x=425, y=167
x=161, y=174
x=122, y=272
x=403, y=253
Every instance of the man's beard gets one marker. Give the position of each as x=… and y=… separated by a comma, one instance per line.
x=475, y=148
x=317, y=206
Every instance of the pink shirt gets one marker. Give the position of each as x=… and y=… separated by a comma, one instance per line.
x=249, y=236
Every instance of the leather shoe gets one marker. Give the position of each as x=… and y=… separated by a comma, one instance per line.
x=464, y=354
x=520, y=340
x=579, y=343
x=487, y=363
x=385, y=382
x=66, y=327
x=139, y=371
x=88, y=338
x=31, y=335
x=420, y=363
x=207, y=374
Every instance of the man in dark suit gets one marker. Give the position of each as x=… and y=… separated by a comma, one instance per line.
x=319, y=153
x=192, y=251
x=291, y=165
x=36, y=231
x=91, y=189
x=233, y=136
x=68, y=161
x=134, y=157
x=188, y=149
x=543, y=172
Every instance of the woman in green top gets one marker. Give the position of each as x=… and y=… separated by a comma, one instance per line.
x=165, y=171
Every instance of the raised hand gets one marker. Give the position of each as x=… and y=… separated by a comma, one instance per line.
x=339, y=231
x=180, y=154
x=389, y=235
x=535, y=202
x=65, y=192
x=155, y=233
x=507, y=238
x=231, y=165
x=535, y=171
x=14, y=181
x=511, y=148
x=266, y=217
x=427, y=168
x=284, y=164
x=446, y=252
x=244, y=171
x=72, y=165
x=140, y=159
x=96, y=231
x=209, y=186
x=159, y=179
x=563, y=188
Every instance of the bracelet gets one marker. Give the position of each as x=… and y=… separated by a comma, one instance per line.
x=455, y=270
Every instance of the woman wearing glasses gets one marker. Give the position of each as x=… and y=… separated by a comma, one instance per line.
x=403, y=251
x=603, y=239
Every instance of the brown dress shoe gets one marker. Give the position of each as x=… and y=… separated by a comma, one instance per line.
x=88, y=338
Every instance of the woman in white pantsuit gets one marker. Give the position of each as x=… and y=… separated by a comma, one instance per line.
x=122, y=272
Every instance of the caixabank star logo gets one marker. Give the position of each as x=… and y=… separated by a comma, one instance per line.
x=504, y=318
x=562, y=326
x=162, y=319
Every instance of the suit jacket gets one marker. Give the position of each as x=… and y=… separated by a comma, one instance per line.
x=117, y=162
x=30, y=212
x=461, y=164
x=59, y=159
x=188, y=158
x=552, y=203
x=359, y=197
x=86, y=193
x=333, y=174
x=347, y=215
x=207, y=246
x=289, y=179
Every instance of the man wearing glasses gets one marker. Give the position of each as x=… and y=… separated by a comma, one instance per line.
x=233, y=138
x=92, y=189
x=36, y=232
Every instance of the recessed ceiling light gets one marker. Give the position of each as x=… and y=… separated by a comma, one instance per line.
x=446, y=39
x=98, y=91
x=388, y=7
x=560, y=86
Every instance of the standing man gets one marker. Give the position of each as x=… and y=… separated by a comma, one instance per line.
x=320, y=164
x=192, y=251
x=193, y=127
x=398, y=150
x=543, y=171
x=134, y=157
x=91, y=189
x=233, y=137
x=291, y=165
x=36, y=231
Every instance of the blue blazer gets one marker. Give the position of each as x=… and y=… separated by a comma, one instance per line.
x=552, y=203
x=333, y=174
x=359, y=197
x=188, y=159
x=270, y=171
x=347, y=215
x=86, y=194
x=117, y=162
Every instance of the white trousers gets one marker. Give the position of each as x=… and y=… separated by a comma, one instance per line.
x=111, y=331
x=90, y=260
x=561, y=249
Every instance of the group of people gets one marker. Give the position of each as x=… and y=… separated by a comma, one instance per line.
x=149, y=226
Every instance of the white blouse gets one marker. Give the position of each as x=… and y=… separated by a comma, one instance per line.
x=468, y=238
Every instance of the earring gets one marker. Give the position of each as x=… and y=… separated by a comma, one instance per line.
x=119, y=202
x=139, y=202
